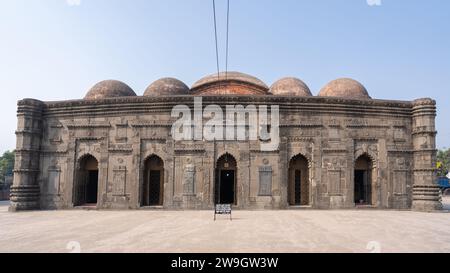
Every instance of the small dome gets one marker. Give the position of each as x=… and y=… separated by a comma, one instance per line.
x=109, y=89
x=345, y=88
x=290, y=87
x=166, y=87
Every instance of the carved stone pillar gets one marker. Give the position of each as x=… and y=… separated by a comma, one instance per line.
x=25, y=191
x=425, y=188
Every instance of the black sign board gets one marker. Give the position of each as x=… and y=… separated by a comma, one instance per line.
x=222, y=209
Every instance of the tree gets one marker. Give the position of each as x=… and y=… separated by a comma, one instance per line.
x=443, y=162
x=6, y=164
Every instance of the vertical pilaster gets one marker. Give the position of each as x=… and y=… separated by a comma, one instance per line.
x=25, y=191
x=243, y=176
x=137, y=171
x=425, y=188
x=283, y=169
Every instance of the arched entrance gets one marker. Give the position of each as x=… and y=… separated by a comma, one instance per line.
x=153, y=188
x=298, y=187
x=363, y=180
x=86, y=184
x=226, y=180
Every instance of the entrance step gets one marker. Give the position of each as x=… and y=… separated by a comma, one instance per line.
x=152, y=208
x=87, y=207
x=300, y=207
x=365, y=207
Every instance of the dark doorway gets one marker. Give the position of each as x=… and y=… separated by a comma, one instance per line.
x=92, y=187
x=363, y=181
x=153, y=190
x=226, y=194
x=86, y=184
x=225, y=186
x=298, y=188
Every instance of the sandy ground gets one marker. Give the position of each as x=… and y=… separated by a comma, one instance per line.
x=250, y=231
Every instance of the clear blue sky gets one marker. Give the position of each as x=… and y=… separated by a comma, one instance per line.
x=51, y=50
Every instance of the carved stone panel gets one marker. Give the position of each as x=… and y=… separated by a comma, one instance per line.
x=55, y=133
x=335, y=182
x=119, y=181
x=334, y=162
x=400, y=182
x=121, y=132
x=265, y=181
x=189, y=180
x=399, y=135
x=53, y=186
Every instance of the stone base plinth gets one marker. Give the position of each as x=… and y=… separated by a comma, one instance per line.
x=24, y=198
x=426, y=198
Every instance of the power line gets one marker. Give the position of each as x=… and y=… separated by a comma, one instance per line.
x=228, y=31
x=217, y=40
x=217, y=46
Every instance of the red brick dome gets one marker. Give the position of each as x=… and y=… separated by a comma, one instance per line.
x=345, y=88
x=109, y=89
x=167, y=87
x=231, y=83
x=290, y=87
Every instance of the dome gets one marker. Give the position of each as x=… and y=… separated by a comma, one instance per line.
x=109, y=89
x=290, y=87
x=230, y=83
x=345, y=88
x=166, y=87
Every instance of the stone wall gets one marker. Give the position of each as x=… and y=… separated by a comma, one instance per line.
x=331, y=133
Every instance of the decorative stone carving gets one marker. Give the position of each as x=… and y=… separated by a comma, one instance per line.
x=55, y=133
x=400, y=182
x=121, y=132
x=265, y=181
x=54, y=177
x=334, y=163
x=119, y=181
x=335, y=182
x=189, y=180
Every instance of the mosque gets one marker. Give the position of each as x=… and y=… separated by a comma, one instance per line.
x=340, y=149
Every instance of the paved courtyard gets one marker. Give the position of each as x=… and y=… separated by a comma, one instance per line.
x=250, y=231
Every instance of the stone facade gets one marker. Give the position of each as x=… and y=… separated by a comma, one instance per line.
x=326, y=135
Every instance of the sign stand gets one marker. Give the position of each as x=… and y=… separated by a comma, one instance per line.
x=222, y=209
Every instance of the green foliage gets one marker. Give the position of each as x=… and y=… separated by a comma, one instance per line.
x=443, y=162
x=6, y=164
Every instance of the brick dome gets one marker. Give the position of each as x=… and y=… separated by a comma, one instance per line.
x=166, y=87
x=109, y=89
x=345, y=88
x=231, y=83
x=290, y=87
